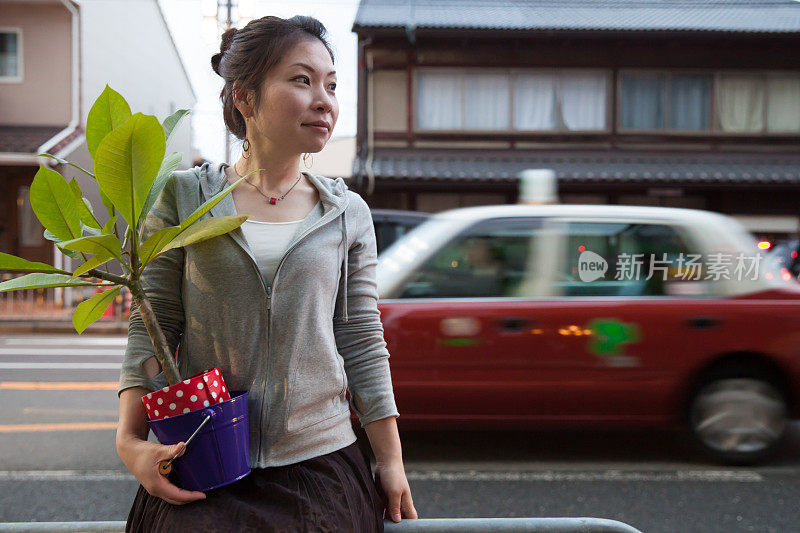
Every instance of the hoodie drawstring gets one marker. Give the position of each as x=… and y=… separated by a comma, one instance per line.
x=346, y=261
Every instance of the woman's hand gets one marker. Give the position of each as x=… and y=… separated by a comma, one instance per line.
x=142, y=458
x=391, y=477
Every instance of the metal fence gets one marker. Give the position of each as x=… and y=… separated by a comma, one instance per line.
x=54, y=303
x=424, y=525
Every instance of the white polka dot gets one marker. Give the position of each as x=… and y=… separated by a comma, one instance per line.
x=193, y=398
x=179, y=394
x=223, y=389
x=156, y=412
x=205, y=403
x=185, y=381
x=215, y=383
x=147, y=405
x=217, y=372
x=160, y=401
x=199, y=385
x=172, y=406
x=166, y=416
x=185, y=409
x=165, y=389
x=149, y=395
x=214, y=395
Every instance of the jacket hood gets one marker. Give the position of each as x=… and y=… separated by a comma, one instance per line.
x=332, y=194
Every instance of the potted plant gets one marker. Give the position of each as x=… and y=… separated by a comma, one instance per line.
x=131, y=168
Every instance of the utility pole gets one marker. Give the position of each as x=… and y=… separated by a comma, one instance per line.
x=227, y=15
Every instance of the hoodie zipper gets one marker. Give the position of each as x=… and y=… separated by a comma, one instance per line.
x=270, y=289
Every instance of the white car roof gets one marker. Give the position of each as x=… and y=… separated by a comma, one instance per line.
x=674, y=214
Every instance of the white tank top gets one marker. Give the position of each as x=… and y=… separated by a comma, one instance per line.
x=269, y=240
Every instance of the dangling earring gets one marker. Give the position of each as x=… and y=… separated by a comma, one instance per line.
x=246, y=148
x=305, y=160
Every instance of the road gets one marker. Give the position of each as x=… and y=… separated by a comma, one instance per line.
x=58, y=461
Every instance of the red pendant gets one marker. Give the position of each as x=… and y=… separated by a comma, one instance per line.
x=273, y=200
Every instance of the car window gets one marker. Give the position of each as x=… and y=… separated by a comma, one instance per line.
x=492, y=259
x=387, y=232
x=627, y=259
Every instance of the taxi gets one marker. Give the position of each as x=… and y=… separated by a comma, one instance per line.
x=594, y=316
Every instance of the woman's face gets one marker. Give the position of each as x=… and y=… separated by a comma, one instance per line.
x=298, y=91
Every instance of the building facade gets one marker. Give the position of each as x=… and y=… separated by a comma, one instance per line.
x=647, y=103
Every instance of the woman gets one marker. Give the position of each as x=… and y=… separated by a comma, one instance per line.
x=286, y=306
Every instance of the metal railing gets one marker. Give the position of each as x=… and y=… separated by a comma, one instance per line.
x=54, y=303
x=424, y=525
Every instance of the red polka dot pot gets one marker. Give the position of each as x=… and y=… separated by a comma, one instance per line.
x=199, y=391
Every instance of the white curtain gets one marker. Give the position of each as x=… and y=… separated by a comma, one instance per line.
x=583, y=100
x=439, y=100
x=487, y=99
x=740, y=103
x=783, y=104
x=535, y=102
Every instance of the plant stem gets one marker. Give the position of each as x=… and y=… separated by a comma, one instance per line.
x=156, y=334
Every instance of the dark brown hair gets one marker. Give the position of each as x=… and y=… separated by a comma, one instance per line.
x=245, y=56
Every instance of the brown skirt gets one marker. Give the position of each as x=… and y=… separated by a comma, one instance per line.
x=332, y=492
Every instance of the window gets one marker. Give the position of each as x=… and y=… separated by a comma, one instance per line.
x=10, y=57
x=566, y=100
x=481, y=100
x=458, y=100
x=492, y=259
x=743, y=102
x=653, y=101
x=634, y=259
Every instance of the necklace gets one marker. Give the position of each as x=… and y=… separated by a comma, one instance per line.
x=271, y=200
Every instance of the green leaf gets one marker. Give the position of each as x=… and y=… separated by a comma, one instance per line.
x=103, y=245
x=168, y=166
x=69, y=253
x=108, y=112
x=54, y=204
x=176, y=236
x=91, y=310
x=43, y=281
x=109, y=227
x=90, y=230
x=127, y=162
x=211, y=202
x=93, y=262
x=65, y=162
x=12, y=262
x=172, y=121
x=110, y=209
x=85, y=211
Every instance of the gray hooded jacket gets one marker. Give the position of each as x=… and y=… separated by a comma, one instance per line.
x=297, y=345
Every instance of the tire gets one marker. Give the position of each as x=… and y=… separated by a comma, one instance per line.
x=738, y=420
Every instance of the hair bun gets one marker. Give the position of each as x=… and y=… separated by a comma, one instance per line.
x=227, y=40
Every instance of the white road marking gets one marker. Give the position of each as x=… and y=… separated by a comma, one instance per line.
x=72, y=350
x=59, y=366
x=8, y=340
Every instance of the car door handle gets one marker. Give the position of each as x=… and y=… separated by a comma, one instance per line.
x=703, y=322
x=514, y=323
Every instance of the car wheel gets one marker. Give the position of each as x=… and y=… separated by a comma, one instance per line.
x=738, y=420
